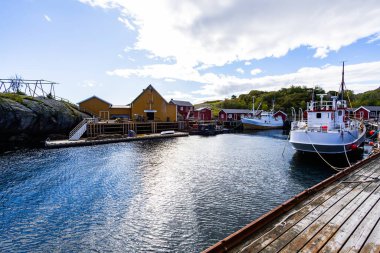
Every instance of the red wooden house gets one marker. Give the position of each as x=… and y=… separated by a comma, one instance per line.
x=280, y=114
x=367, y=112
x=203, y=113
x=184, y=109
x=233, y=114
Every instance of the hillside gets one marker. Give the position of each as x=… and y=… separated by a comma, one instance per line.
x=285, y=98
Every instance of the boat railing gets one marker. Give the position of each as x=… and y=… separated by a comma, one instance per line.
x=326, y=105
x=302, y=125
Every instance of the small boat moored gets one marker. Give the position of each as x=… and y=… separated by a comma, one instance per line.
x=262, y=120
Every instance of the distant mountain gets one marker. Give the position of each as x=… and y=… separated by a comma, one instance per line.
x=285, y=98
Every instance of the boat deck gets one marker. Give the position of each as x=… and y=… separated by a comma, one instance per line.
x=343, y=216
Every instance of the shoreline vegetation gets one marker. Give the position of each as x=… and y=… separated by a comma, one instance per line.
x=285, y=98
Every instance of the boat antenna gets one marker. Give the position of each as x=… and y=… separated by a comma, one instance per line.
x=342, y=84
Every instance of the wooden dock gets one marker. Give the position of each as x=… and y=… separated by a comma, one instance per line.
x=340, y=214
x=90, y=142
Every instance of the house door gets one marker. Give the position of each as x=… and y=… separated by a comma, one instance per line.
x=150, y=115
x=105, y=115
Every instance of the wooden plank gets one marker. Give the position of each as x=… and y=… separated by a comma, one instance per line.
x=336, y=202
x=356, y=210
x=304, y=209
x=315, y=226
x=372, y=244
x=356, y=229
x=360, y=235
x=299, y=234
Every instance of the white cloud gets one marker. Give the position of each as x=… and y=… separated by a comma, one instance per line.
x=47, y=18
x=215, y=33
x=321, y=52
x=127, y=49
x=359, y=77
x=169, y=80
x=90, y=84
x=179, y=95
x=374, y=38
x=120, y=56
x=255, y=71
x=240, y=70
x=126, y=23
x=195, y=35
x=247, y=63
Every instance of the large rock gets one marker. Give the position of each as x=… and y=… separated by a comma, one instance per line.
x=27, y=119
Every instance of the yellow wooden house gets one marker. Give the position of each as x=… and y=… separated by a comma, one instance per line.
x=148, y=106
x=96, y=107
x=151, y=106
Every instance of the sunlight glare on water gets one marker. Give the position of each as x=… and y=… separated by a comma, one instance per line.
x=173, y=195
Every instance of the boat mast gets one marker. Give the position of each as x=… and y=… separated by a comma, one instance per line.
x=253, y=106
x=342, y=84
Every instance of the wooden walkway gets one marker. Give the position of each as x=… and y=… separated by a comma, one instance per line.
x=89, y=142
x=344, y=216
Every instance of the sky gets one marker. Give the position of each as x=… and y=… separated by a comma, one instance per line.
x=190, y=49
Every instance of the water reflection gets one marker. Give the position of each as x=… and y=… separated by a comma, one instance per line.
x=178, y=195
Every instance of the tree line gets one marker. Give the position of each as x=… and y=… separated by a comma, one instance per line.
x=294, y=96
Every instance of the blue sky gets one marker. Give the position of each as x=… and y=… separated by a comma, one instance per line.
x=191, y=50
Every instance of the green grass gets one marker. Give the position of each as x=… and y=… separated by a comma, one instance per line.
x=13, y=96
x=215, y=106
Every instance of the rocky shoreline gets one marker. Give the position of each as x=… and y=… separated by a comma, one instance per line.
x=26, y=121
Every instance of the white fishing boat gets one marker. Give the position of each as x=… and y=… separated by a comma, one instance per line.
x=262, y=120
x=328, y=129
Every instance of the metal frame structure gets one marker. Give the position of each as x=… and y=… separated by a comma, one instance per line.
x=31, y=88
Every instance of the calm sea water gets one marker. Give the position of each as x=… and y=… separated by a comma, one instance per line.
x=174, y=195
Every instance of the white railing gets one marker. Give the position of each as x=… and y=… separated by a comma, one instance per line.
x=79, y=130
x=326, y=105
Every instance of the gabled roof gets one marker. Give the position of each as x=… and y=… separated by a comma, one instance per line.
x=180, y=102
x=236, y=110
x=369, y=108
x=202, y=108
x=96, y=98
x=149, y=87
x=281, y=112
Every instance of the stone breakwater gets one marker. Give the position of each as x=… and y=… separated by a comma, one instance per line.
x=27, y=120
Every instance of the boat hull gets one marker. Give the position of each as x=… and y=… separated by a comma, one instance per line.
x=261, y=125
x=327, y=143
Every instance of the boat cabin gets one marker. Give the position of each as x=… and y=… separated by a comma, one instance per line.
x=326, y=114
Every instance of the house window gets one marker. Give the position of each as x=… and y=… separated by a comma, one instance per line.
x=181, y=108
x=340, y=113
x=222, y=116
x=319, y=115
x=230, y=116
x=361, y=114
